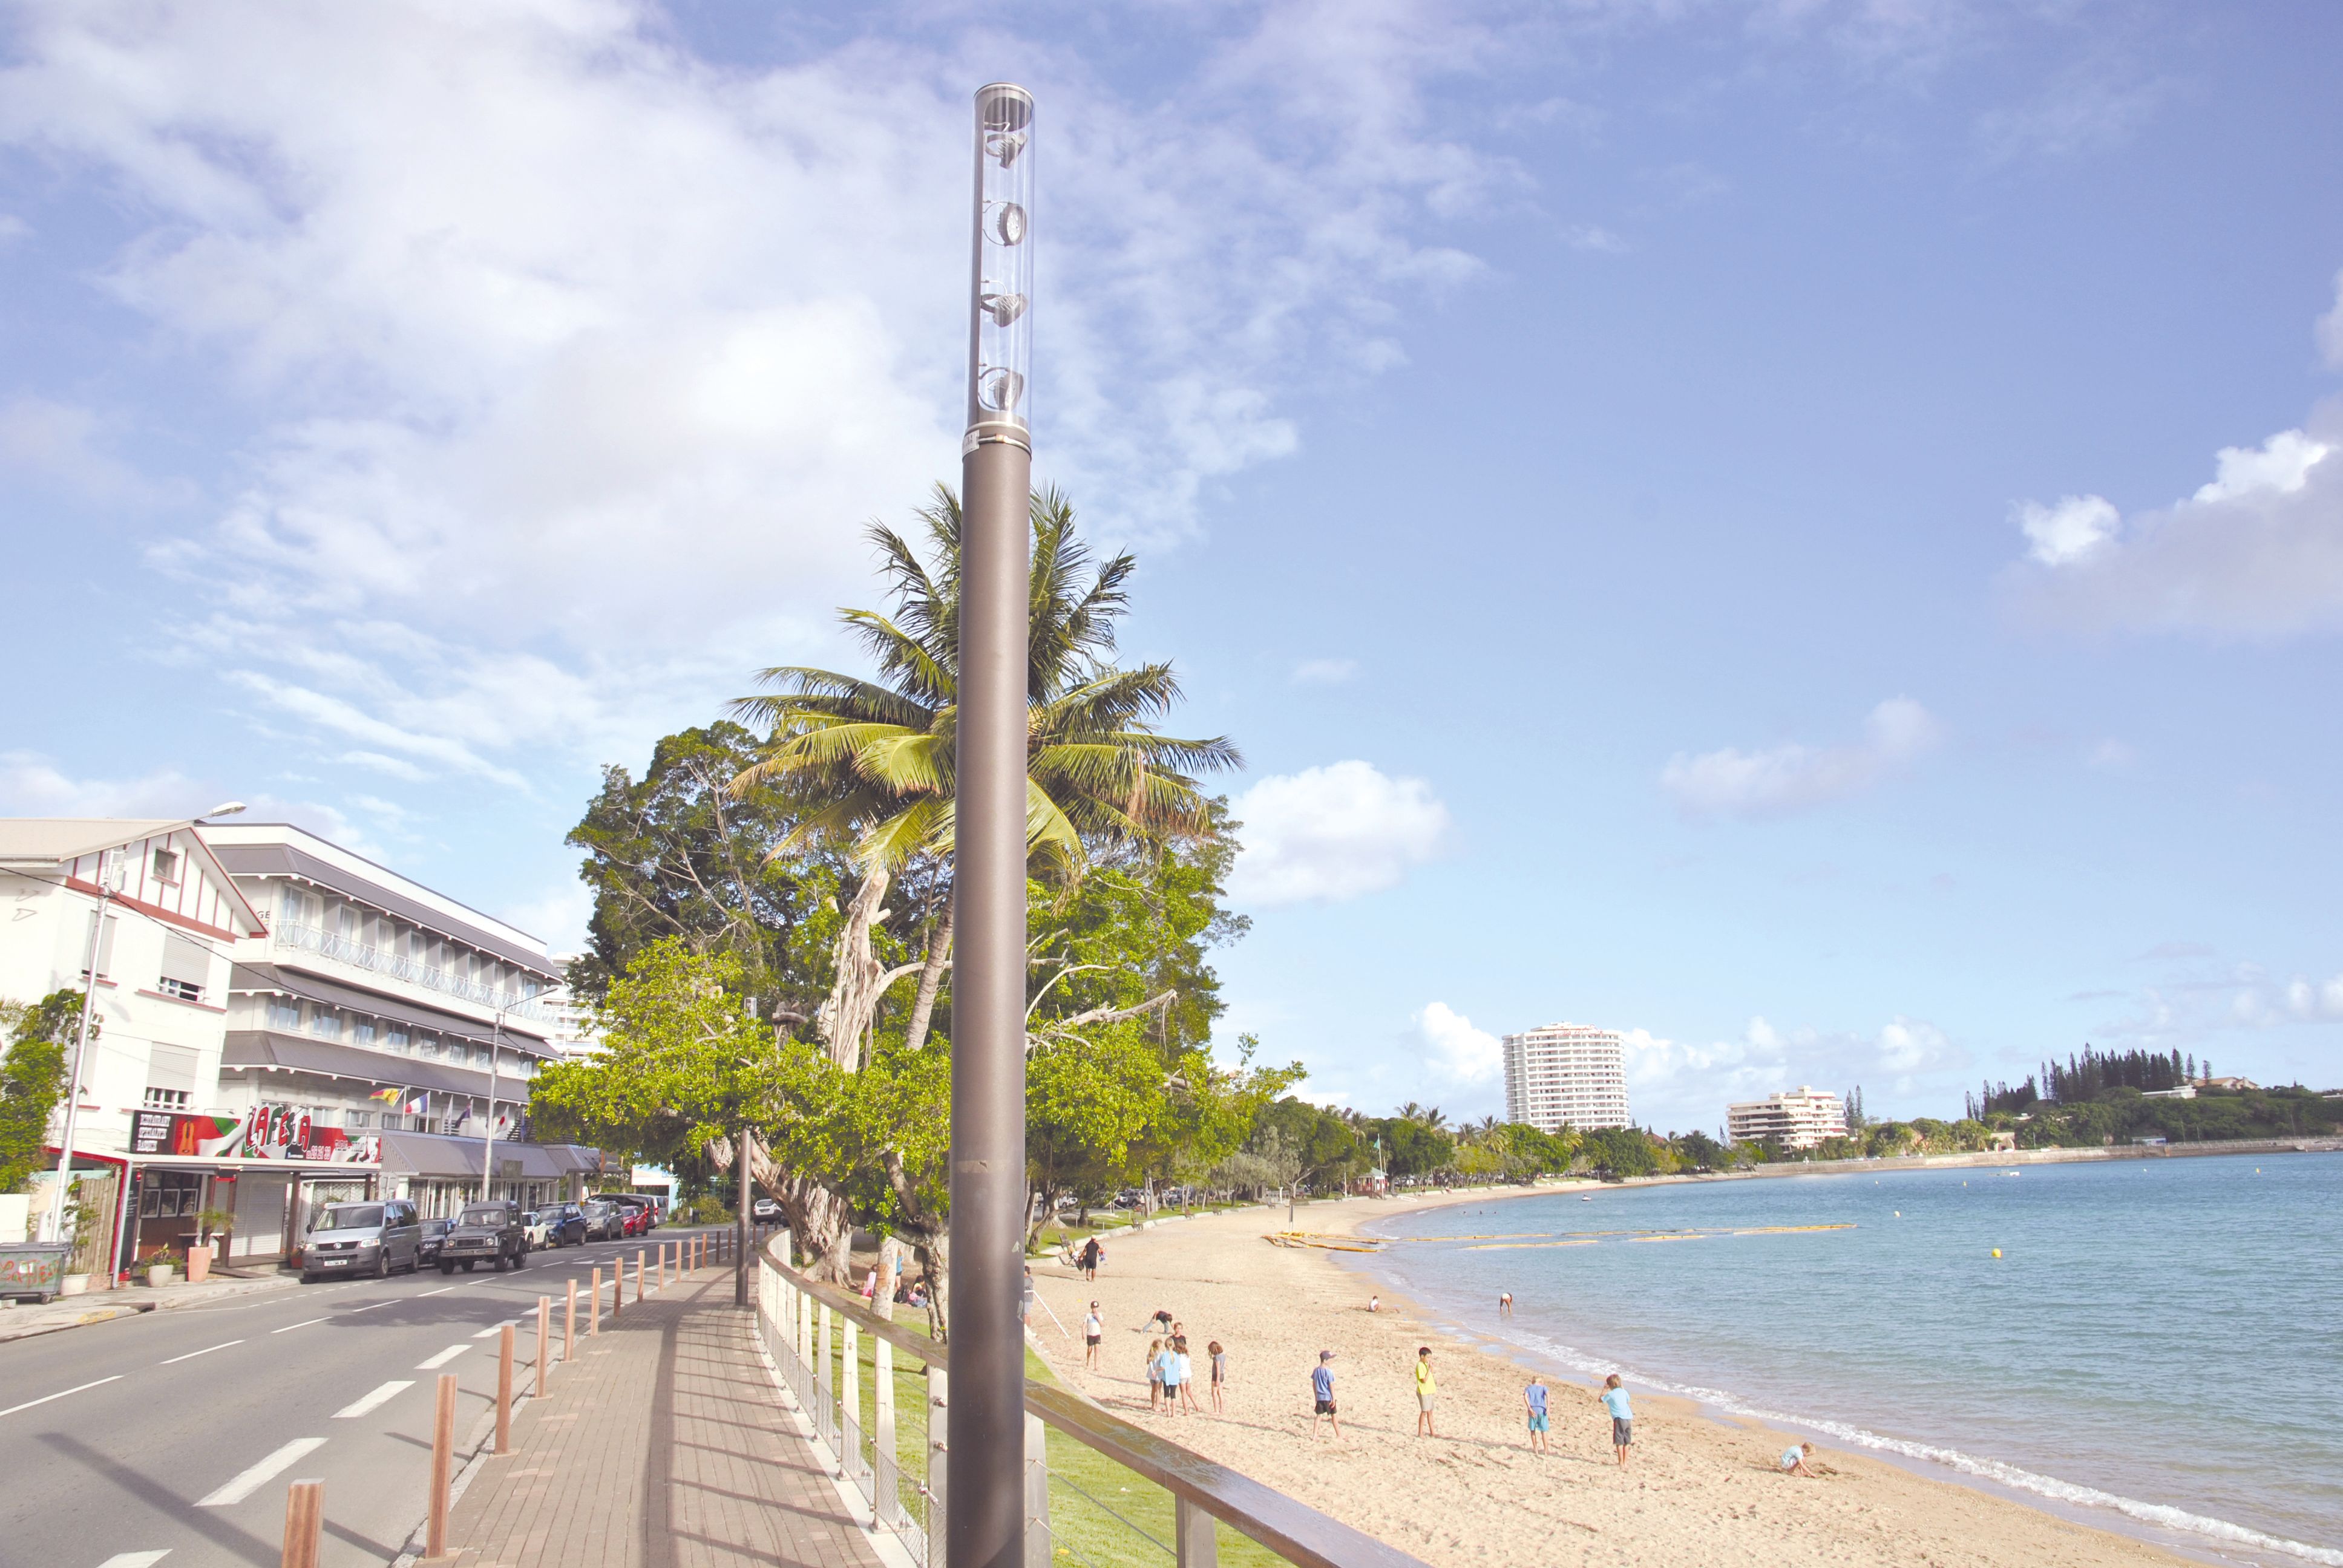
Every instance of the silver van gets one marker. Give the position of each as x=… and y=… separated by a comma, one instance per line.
x=374, y=1238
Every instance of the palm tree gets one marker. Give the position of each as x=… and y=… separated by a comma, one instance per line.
x=869, y=763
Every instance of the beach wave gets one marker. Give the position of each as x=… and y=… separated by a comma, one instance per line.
x=2161, y=1515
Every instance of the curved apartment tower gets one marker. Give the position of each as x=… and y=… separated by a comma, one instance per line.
x=1566, y=1075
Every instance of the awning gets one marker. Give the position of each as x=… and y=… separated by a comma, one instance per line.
x=251, y=976
x=267, y=1048
x=283, y=860
x=432, y=1154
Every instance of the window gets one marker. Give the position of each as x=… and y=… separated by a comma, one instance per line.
x=167, y=1098
x=395, y=1038
x=482, y=1056
x=427, y=1048
x=325, y=1024
x=167, y=866
x=104, y=946
x=187, y=968
x=292, y=908
x=284, y=1013
x=358, y=1118
x=361, y=1032
x=179, y=989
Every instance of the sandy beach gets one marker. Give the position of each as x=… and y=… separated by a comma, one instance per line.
x=1697, y=1492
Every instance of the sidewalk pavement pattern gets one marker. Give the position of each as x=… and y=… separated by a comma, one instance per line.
x=665, y=1444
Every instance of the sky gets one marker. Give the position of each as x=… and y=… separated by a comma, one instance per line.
x=1809, y=532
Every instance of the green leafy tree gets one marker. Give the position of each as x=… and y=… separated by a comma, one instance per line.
x=1619, y=1151
x=32, y=1078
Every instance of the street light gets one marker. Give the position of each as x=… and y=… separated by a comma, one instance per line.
x=107, y=875
x=984, y=1516
x=488, y=1121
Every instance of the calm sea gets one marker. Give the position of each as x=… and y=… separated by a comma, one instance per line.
x=2159, y=1346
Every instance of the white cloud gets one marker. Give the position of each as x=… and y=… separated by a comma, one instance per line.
x=1332, y=833
x=562, y=339
x=1463, y=1056
x=2072, y=530
x=1681, y=1084
x=1324, y=671
x=63, y=445
x=2257, y=551
x=1795, y=778
x=32, y=785
x=2083, y=112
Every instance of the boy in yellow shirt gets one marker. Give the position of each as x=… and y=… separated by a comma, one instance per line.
x=1425, y=1387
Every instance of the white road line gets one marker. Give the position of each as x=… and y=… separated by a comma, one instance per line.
x=440, y=1291
x=136, y=1558
x=252, y=1480
x=442, y=1359
x=379, y=1397
x=192, y=1354
x=492, y=1328
x=59, y=1394
x=372, y=1305
x=288, y=1328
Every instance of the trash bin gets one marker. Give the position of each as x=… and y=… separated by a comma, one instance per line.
x=34, y=1267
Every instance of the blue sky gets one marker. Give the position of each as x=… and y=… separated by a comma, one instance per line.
x=1805, y=532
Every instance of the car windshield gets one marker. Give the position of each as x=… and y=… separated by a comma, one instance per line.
x=350, y=1217
x=486, y=1214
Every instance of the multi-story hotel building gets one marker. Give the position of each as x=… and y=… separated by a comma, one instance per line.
x=280, y=1023
x=1566, y=1075
x=1795, y=1118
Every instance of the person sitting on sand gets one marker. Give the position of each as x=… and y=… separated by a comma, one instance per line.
x=1155, y=1374
x=1793, y=1461
x=1322, y=1387
x=1533, y=1396
x=1614, y=1399
x=1375, y=1303
x=1426, y=1388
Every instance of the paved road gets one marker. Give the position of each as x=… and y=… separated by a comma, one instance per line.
x=166, y=1441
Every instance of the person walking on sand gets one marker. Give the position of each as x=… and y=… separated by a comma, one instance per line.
x=1155, y=1374
x=1322, y=1389
x=1533, y=1396
x=1793, y=1461
x=1426, y=1388
x=1614, y=1398
x=1219, y=1376
x=1094, y=1330
x=1091, y=1258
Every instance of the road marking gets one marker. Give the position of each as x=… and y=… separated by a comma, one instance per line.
x=372, y=1305
x=192, y=1354
x=136, y=1558
x=440, y=1291
x=288, y=1328
x=252, y=1480
x=442, y=1359
x=59, y=1394
x=492, y=1328
x=379, y=1397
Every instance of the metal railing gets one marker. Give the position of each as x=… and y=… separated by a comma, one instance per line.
x=814, y=1334
x=414, y=971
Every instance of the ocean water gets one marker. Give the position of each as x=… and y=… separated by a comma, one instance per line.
x=2159, y=1347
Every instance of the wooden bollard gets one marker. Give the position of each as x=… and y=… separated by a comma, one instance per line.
x=570, y=1325
x=544, y=1335
x=443, y=1465
x=305, y=1515
x=504, y=1389
x=594, y=1313
x=639, y=1273
x=662, y=1265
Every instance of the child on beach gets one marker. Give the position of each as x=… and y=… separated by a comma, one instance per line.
x=1614, y=1399
x=1533, y=1396
x=1168, y=1374
x=1187, y=1372
x=1322, y=1387
x=1505, y=1303
x=1094, y=1330
x=1793, y=1461
x=1426, y=1387
x=1155, y=1374
x=1220, y=1375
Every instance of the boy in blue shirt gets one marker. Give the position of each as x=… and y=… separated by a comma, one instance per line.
x=1533, y=1396
x=1322, y=1389
x=1622, y=1416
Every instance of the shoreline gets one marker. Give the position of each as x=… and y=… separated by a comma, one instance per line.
x=1702, y=1488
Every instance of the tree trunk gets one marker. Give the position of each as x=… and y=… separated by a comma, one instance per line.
x=845, y=1017
x=931, y=974
x=820, y=1221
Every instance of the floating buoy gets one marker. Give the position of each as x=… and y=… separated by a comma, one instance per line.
x=1997, y=1252
x=1899, y=1213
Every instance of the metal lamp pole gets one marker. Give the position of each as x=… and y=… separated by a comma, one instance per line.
x=488, y=1122
x=984, y=1513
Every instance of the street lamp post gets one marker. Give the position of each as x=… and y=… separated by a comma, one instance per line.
x=81, y=1036
x=489, y=1121
x=984, y=1512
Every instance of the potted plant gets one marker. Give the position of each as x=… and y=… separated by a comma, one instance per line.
x=89, y=1216
x=160, y=1271
x=212, y=1225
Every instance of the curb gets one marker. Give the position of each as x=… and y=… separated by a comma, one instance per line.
x=107, y=1314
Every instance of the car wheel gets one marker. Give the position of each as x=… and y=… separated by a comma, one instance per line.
x=382, y=1264
x=309, y=1279
x=467, y=1264
x=446, y=1268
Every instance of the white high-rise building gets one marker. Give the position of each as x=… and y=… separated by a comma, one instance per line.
x=1798, y=1117
x=1566, y=1074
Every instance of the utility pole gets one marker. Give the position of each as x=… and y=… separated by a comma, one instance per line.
x=984, y=1517
x=81, y=1049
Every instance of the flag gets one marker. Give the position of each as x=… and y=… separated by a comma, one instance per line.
x=389, y=1096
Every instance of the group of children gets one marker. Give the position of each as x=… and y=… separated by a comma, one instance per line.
x=1171, y=1372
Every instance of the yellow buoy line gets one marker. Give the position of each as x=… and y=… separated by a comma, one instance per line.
x=1523, y=1240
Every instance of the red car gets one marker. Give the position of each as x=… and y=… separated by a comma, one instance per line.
x=637, y=1220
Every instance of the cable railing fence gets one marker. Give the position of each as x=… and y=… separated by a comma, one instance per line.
x=1099, y=1491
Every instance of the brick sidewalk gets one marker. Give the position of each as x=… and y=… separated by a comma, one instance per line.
x=664, y=1445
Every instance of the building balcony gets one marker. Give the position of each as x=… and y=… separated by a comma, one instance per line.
x=413, y=971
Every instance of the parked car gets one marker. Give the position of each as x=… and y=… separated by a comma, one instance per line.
x=636, y=1219
x=434, y=1232
x=765, y=1212
x=648, y=1207
x=604, y=1222
x=377, y=1239
x=535, y=1223
x=565, y=1224
x=485, y=1233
